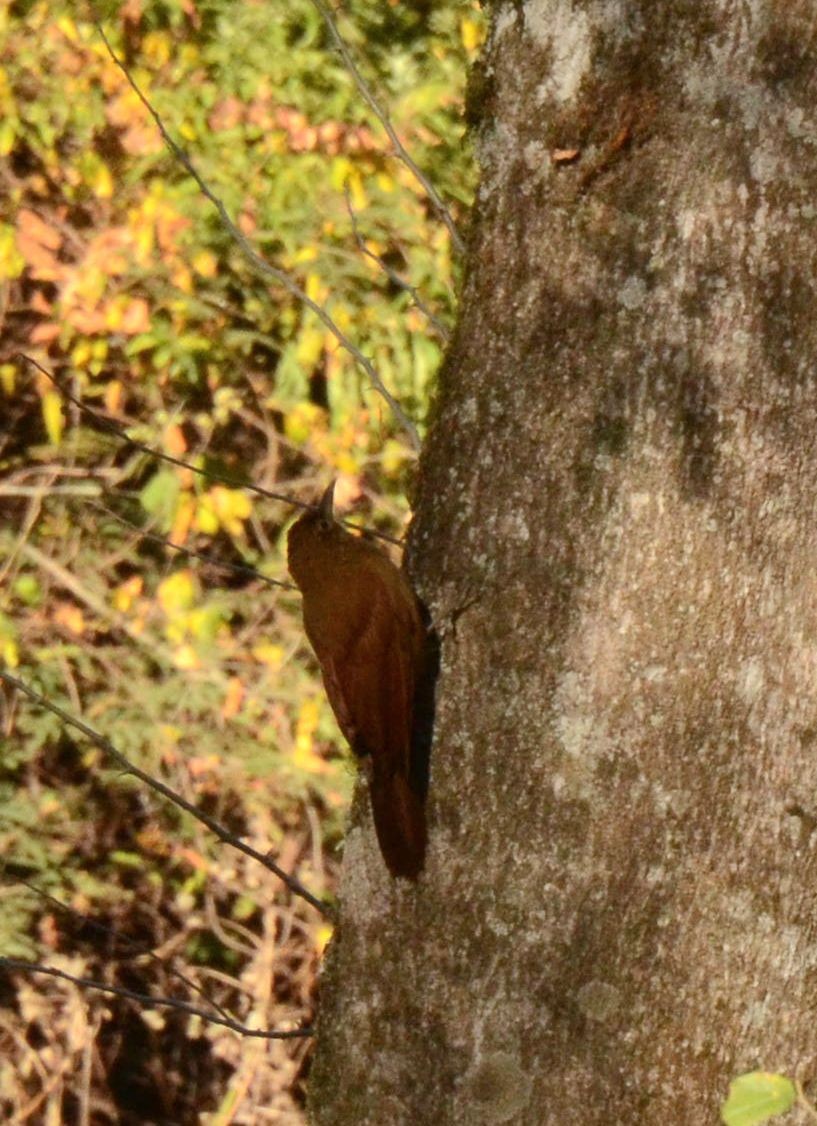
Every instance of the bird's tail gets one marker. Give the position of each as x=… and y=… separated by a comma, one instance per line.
x=400, y=823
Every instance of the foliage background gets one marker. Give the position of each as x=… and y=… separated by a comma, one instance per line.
x=116, y=275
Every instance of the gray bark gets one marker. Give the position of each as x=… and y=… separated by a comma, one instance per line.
x=616, y=532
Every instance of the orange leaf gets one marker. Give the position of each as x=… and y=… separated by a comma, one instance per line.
x=44, y=333
x=36, y=241
x=70, y=617
x=31, y=226
x=135, y=317
x=113, y=396
x=193, y=858
x=226, y=114
x=233, y=698
x=175, y=441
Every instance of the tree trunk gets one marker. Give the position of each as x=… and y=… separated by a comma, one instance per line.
x=617, y=535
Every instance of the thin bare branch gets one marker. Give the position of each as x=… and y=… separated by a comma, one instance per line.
x=119, y=432
x=392, y=275
x=172, y=795
x=261, y=264
x=109, y=426
x=154, y=649
x=82, y=489
x=138, y=949
x=17, y=964
x=381, y=115
x=236, y=568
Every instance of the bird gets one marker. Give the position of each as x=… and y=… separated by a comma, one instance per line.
x=370, y=634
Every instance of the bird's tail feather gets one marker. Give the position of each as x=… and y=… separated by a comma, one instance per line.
x=400, y=824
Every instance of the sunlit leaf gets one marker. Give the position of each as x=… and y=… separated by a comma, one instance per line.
x=177, y=593
x=52, y=416
x=756, y=1097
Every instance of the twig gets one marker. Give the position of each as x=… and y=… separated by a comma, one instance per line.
x=261, y=264
x=119, y=432
x=237, y=568
x=173, y=796
x=392, y=275
x=381, y=115
x=96, y=605
x=81, y=489
x=32, y=516
x=84, y=1096
x=153, y=1002
x=138, y=948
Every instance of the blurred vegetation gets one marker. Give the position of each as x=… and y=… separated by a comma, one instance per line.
x=116, y=275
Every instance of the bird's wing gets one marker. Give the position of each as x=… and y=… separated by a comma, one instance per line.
x=370, y=684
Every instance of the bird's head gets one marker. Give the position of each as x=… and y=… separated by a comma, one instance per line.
x=315, y=531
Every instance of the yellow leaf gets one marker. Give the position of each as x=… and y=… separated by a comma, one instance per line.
x=339, y=172
x=8, y=377
x=268, y=654
x=156, y=47
x=205, y=264
x=81, y=353
x=8, y=135
x=232, y=508
x=171, y=737
x=186, y=657
x=305, y=254
x=10, y=653
x=177, y=593
x=393, y=456
x=304, y=755
x=472, y=32
x=102, y=183
x=347, y=463
x=322, y=935
x=52, y=416
x=206, y=519
x=126, y=593
x=12, y=262
x=360, y=201
x=303, y=420
x=314, y=287
x=68, y=28
x=310, y=346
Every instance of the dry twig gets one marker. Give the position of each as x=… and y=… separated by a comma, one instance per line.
x=129, y=767
x=260, y=264
x=381, y=115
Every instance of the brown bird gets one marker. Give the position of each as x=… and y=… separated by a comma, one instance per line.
x=367, y=628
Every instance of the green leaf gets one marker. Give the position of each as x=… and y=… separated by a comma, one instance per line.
x=757, y=1097
x=126, y=859
x=28, y=590
x=160, y=495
